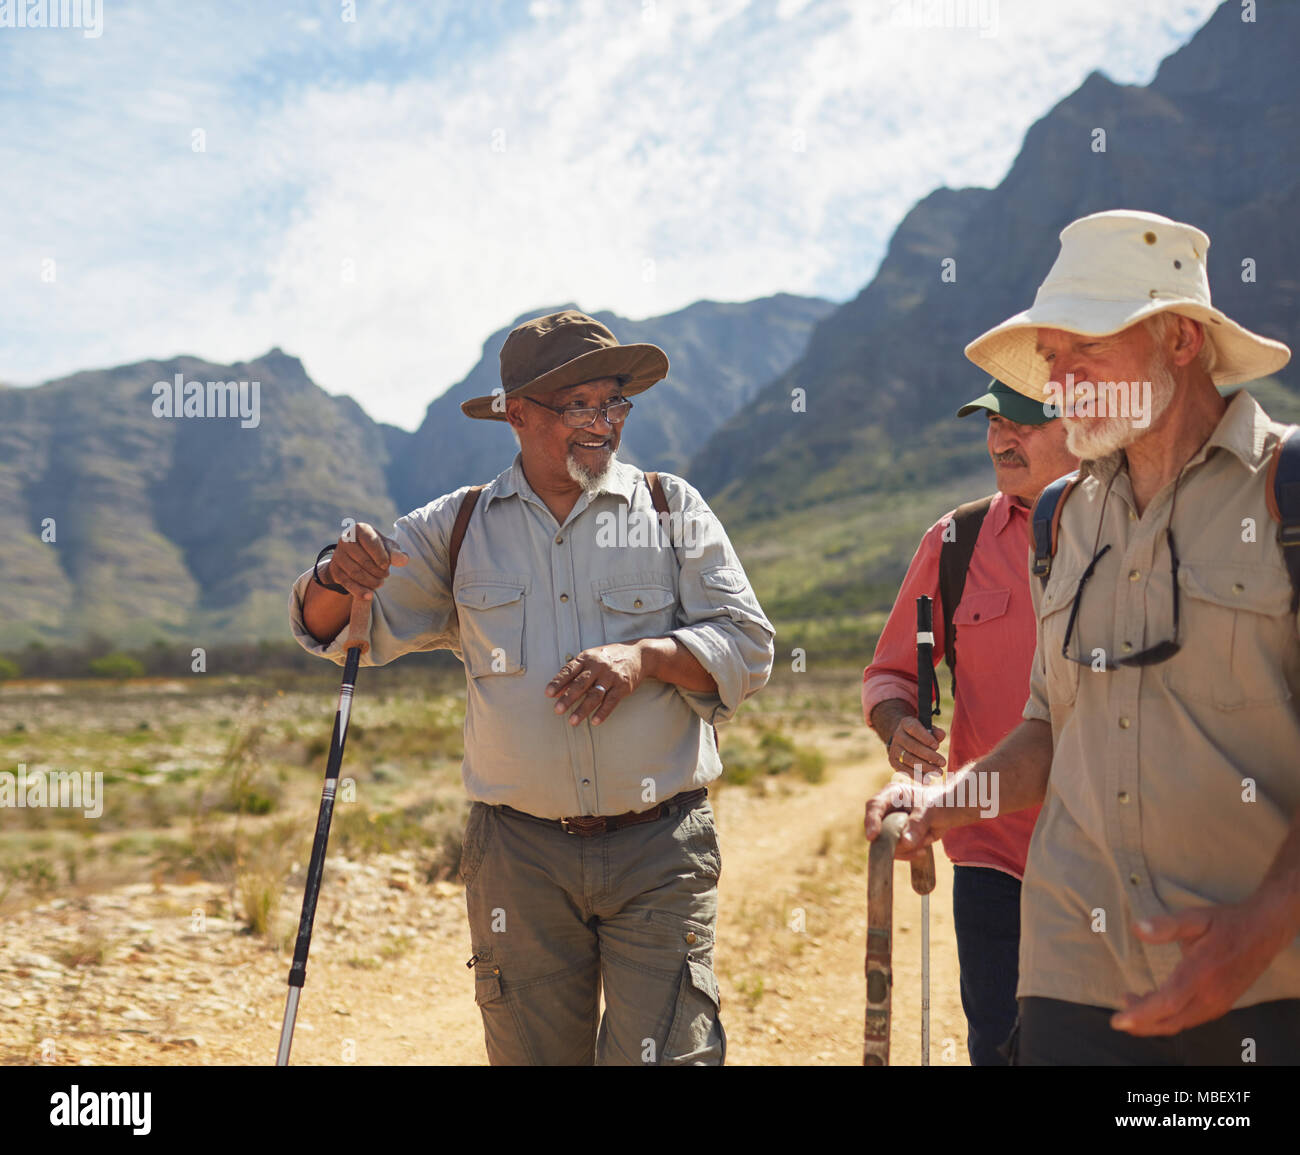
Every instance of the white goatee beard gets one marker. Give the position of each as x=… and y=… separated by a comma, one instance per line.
x=1089, y=439
x=592, y=483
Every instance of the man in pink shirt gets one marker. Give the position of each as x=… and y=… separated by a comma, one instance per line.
x=993, y=632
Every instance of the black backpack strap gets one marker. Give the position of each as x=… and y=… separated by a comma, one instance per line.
x=1046, y=522
x=1283, y=496
x=954, y=562
x=467, y=504
x=660, y=501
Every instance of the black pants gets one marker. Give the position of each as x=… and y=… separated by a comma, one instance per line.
x=986, y=917
x=1051, y=1032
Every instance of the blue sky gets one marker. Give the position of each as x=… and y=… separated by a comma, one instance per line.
x=375, y=187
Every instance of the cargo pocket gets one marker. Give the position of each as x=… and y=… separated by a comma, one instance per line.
x=491, y=613
x=696, y=1037
x=478, y=832
x=506, y=1046
x=487, y=984
x=631, y=612
x=1236, y=627
x=700, y=836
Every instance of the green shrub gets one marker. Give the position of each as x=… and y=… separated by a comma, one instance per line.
x=776, y=753
x=117, y=666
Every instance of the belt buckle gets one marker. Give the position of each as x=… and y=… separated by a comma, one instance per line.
x=579, y=825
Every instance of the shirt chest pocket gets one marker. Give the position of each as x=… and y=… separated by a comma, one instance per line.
x=1236, y=634
x=491, y=613
x=1054, y=618
x=629, y=612
x=981, y=607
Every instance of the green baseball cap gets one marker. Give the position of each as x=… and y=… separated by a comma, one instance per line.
x=1006, y=402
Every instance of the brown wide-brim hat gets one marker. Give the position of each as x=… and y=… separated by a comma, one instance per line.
x=563, y=349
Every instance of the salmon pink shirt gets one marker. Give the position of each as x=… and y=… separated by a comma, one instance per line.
x=995, y=639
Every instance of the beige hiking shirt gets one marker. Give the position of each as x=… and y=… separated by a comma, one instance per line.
x=531, y=593
x=1172, y=786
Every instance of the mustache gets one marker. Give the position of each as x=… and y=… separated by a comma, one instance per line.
x=1011, y=458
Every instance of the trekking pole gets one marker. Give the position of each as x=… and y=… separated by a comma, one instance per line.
x=358, y=630
x=927, y=695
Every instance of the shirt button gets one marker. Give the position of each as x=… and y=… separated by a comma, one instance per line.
x=1123, y=723
x=559, y=540
x=1135, y=879
x=586, y=781
x=1132, y=515
x=637, y=604
x=1134, y=574
x=1237, y=588
x=690, y=937
x=1123, y=796
x=1128, y=647
x=564, y=597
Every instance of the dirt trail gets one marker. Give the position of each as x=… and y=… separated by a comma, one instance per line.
x=387, y=982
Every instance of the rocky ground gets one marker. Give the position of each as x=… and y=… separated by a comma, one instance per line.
x=160, y=973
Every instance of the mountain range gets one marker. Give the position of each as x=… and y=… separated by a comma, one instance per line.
x=1214, y=140
x=123, y=518
x=824, y=435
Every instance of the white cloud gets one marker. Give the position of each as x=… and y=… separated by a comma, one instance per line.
x=632, y=157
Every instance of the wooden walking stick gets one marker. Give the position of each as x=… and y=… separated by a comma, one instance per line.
x=880, y=931
x=880, y=883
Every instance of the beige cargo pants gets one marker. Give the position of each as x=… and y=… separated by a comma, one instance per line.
x=556, y=918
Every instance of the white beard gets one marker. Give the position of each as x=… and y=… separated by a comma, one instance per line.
x=1091, y=438
x=592, y=483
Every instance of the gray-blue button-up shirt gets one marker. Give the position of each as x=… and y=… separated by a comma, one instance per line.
x=530, y=593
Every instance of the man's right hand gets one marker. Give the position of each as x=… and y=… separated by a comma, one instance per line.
x=913, y=744
x=361, y=565
x=926, y=823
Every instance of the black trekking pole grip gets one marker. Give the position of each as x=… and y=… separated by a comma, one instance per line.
x=358, y=628
x=925, y=679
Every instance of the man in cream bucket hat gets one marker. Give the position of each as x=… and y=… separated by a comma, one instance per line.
x=1116, y=269
x=1161, y=900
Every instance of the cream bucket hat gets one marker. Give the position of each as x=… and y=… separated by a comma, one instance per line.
x=1114, y=269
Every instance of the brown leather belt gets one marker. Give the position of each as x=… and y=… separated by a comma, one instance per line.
x=590, y=824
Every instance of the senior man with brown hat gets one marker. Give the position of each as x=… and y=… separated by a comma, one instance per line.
x=606, y=626
x=1161, y=899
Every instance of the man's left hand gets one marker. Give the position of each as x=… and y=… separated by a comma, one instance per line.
x=596, y=681
x=1225, y=949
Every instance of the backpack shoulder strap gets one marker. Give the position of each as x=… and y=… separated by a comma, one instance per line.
x=1282, y=493
x=660, y=501
x=954, y=563
x=467, y=504
x=657, y=492
x=1047, y=521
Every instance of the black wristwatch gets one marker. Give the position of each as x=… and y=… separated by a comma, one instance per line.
x=315, y=571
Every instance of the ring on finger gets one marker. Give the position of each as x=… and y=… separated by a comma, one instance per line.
x=601, y=688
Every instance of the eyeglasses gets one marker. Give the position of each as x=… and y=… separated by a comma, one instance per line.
x=615, y=412
x=1153, y=655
